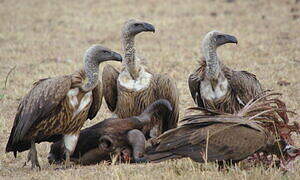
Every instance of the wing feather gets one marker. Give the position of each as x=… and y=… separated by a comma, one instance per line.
x=194, y=82
x=110, y=86
x=166, y=89
x=244, y=85
x=189, y=140
x=37, y=105
x=97, y=101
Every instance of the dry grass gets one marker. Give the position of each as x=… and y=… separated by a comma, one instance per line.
x=48, y=38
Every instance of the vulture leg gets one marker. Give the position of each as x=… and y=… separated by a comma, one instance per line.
x=70, y=142
x=137, y=140
x=32, y=157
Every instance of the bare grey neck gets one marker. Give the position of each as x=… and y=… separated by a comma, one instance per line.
x=212, y=61
x=156, y=107
x=129, y=57
x=91, y=68
x=145, y=118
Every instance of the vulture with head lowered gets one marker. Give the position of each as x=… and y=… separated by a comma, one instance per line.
x=128, y=92
x=221, y=137
x=217, y=87
x=97, y=142
x=57, y=107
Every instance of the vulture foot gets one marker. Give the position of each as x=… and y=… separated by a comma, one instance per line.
x=68, y=163
x=65, y=167
x=137, y=141
x=141, y=160
x=32, y=157
x=53, y=160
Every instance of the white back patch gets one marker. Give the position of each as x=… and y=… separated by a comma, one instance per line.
x=208, y=93
x=86, y=99
x=70, y=141
x=72, y=94
x=239, y=100
x=142, y=82
x=114, y=115
x=154, y=131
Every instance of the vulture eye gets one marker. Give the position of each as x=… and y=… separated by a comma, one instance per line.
x=219, y=37
x=106, y=143
x=136, y=24
x=105, y=51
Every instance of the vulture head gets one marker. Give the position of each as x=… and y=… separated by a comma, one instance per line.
x=214, y=39
x=291, y=152
x=106, y=143
x=93, y=56
x=100, y=54
x=133, y=27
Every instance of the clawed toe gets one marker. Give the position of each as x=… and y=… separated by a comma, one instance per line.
x=141, y=160
x=32, y=157
x=64, y=167
x=35, y=164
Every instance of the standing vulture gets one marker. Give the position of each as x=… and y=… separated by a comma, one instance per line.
x=97, y=142
x=58, y=107
x=211, y=136
x=215, y=86
x=129, y=92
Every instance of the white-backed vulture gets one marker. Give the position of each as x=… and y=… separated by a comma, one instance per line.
x=58, y=107
x=215, y=86
x=97, y=142
x=129, y=92
x=213, y=136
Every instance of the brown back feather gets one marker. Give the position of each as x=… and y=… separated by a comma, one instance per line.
x=36, y=106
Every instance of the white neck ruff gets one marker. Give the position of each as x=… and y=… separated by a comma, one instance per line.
x=142, y=82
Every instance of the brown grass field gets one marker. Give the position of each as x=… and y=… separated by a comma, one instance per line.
x=48, y=38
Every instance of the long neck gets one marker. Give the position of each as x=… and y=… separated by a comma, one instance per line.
x=160, y=106
x=129, y=59
x=91, y=68
x=212, y=61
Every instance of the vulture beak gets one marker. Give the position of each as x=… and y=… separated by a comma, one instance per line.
x=224, y=39
x=230, y=39
x=117, y=56
x=126, y=154
x=149, y=27
x=111, y=56
x=105, y=143
x=292, y=151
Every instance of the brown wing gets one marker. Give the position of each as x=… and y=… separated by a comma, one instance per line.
x=234, y=142
x=244, y=85
x=189, y=140
x=195, y=82
x=42, y=101
x=194, y=85
x=166, y=146
x=110, y=88
x=97, y=101
x=166, y=89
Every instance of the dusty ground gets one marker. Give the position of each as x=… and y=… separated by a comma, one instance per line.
x=47, y=38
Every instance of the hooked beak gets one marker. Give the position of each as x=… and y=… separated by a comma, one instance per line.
x=149, y=27
x=105, y=143
x=117, y=56
x=292, y=151
x=230, y=39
